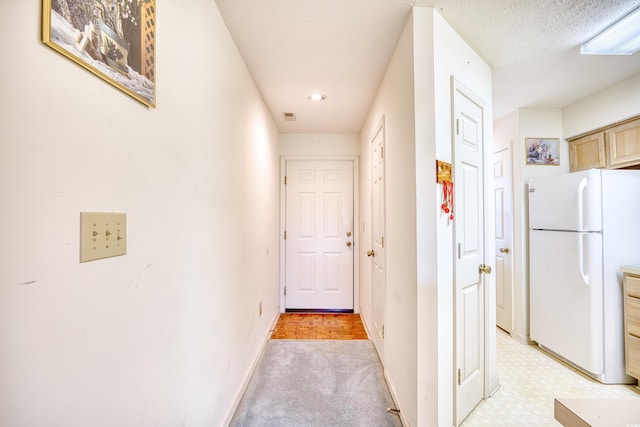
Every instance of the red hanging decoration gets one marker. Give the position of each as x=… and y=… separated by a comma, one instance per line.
x=447, y=198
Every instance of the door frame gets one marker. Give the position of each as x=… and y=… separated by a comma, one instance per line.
x=491, y=382
x=496, y=150
x=356, y=218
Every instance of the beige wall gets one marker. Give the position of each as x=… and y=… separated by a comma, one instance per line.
x=166, y=334
x=617, y=102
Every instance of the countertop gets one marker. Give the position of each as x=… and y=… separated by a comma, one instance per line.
x=597, y=412
x=631, y=269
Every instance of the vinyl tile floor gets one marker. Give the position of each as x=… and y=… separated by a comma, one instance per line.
x=530, y=380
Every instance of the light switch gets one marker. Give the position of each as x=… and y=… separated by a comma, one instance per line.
x=102, y=235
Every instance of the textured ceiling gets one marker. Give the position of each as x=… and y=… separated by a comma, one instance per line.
x=342, y=47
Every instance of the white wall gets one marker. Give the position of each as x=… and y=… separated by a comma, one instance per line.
x=415, y=100
x=395, y=101
x=166, y=334
x=319, y=144
x=616, y=103
x=453, y=57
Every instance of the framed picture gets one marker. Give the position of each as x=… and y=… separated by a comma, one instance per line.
x=114, y=39
x=443, y=172
x=543, y=151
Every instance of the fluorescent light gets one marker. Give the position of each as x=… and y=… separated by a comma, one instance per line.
x=620, y=38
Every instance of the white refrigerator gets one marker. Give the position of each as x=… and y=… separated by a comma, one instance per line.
x=583, y=226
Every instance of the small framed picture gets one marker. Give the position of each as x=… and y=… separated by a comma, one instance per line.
x=543, y=151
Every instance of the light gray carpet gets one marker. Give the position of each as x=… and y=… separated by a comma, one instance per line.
x=317, y=383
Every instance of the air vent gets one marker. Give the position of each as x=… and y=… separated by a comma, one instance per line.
x=289, y=117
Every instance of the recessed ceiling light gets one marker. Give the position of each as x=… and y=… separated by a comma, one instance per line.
x=317, y=97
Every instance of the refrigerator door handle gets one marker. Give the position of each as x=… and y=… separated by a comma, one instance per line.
x=585, y=278
x=581, y=187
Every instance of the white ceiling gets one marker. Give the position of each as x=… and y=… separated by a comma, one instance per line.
x=341, y=48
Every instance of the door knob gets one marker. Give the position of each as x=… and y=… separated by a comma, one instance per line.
x=486, y=269
x=348, y=234
x=349, y=243
x=504, y=250
x=371, y=253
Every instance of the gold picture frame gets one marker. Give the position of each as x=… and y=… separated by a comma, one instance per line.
x=113, y=39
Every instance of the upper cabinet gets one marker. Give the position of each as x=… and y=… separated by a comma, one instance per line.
x=587, y=152
x=624, y=144
x=614, y=147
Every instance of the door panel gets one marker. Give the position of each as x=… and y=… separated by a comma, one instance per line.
x=378, y=228
x=319, y=240
x=469, y=235
x=503, y=255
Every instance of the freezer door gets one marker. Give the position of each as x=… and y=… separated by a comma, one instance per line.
x=566, y=296
x=569, y=201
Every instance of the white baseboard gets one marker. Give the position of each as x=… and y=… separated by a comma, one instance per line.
x=522, y=339
x=249, y=374
x=403, y=419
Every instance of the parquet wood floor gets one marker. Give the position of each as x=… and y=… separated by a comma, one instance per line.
x=319, y=326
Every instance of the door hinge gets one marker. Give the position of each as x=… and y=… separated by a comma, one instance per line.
x=382, y=242
x=457, y=126
x=285, y=180
x=285, y=291
x=459, y=250
x=382, y=331
x=285, y=235
x=382, y=152
x=459, y=376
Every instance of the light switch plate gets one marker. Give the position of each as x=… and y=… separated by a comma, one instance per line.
x=102, y=235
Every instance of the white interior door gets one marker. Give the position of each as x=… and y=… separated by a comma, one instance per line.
x=319, y=235
x=470, y=257
x=377, y=253
x=504, y=256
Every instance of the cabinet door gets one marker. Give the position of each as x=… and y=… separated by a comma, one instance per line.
x=587, y=152
x=624, y=144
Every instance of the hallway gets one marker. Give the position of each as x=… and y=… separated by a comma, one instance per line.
x=317, y=370
x=530, y=379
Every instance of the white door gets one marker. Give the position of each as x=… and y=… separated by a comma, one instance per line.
x=377, y=252
x=319, y=235
x=470, y=257
x=504, y=215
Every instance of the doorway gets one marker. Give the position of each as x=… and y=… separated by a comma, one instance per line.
x=319, y=235
x=504, y=254
x=470, y=290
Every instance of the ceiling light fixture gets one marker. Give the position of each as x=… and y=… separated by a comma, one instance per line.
x=620, y=38
x=317, y=97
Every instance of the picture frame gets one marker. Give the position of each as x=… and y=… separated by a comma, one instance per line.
x=443, y=172
x=542, y=151
x=113, y=39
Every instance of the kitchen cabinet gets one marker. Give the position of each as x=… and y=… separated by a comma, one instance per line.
x=612, y=147
x=632, y=320
x=623, y=142
x=587, y=152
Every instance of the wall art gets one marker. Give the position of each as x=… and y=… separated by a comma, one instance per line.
x=114, y=39
x=543, y=151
